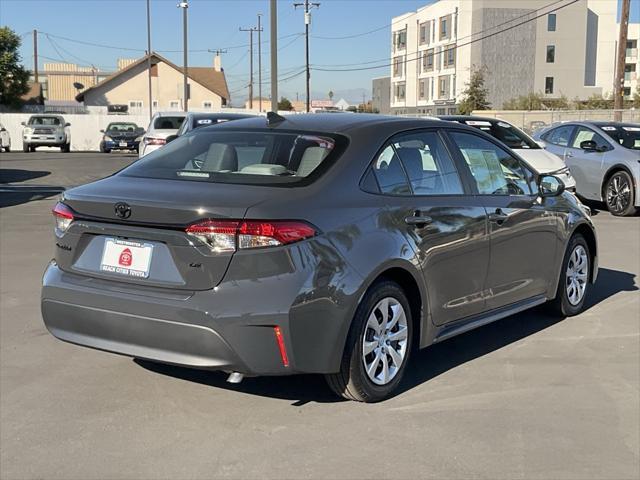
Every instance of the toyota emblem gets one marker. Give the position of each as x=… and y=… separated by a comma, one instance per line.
x=122, y=210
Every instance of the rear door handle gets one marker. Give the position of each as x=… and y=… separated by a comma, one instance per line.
x=418, y=220
x=498, y=216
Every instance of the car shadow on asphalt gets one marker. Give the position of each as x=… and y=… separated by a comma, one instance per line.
x=425, y=364
x=13, y=192
x=13, y=175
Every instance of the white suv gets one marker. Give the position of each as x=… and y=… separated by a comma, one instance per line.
x=162, y=125
x=46, y=131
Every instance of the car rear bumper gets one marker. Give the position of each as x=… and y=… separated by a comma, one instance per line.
x=215, y=329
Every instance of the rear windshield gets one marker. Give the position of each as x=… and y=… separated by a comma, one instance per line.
x=168, y=123
x=505, y=132
x=49, y=121
x=122, y=127
x=626, y=135
x=246, y=157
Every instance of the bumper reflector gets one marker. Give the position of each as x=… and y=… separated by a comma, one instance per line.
x=281, y=346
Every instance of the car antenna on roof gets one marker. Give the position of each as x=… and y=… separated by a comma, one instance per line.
x=273, y=119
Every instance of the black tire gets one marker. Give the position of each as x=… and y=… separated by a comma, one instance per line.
x=32, y=148
x=561, y=305
x=103, y=149
x=7, y=149
x=25, y=148
x=66, y=148
x=352, y=381
x=619, y=194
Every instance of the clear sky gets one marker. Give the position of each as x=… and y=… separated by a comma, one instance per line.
x=214, y=24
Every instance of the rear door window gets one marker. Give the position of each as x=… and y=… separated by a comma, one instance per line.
x=495, y=171
x=559, y=136
x=168, y=123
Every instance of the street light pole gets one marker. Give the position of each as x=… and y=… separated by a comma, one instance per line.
x=184, y=6
x=273, y=31
x=259, y=63
x=149, y=58
x=250, y=30
x=307, y=21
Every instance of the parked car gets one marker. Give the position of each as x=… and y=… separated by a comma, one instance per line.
x=5, y=139
x=525, y=146
x=604, y=159
x=46, y=130
x=121, y=136
x=195, y=120
x=161, y=126
x=534, y=126
x=330, y=244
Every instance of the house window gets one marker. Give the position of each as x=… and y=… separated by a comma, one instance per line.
x=551, y=22
x=421, y=90
x=135, y=103
x=174, y=104
x=155, y=104
x=400, y=40
x=207, y=105
x=397, y=67
x=400, y=91
x=450, y=56
x=551, y=53
x=548, y=85
x=445, y=24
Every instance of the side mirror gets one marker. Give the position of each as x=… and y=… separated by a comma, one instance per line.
x=67, y=124
x=589, y=146
x=102, y=131
x=24, y=124
x=171, y=138
x=550, y=186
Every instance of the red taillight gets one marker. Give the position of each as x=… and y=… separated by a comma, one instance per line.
x=229, y=235
x=281, y=347
x=154, y=141
x=63, y=216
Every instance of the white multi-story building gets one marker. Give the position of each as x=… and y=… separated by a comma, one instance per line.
x=560, y=48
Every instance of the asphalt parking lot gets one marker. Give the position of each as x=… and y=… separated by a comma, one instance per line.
x=530, y=396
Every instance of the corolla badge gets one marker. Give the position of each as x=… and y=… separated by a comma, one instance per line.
x=123, y=210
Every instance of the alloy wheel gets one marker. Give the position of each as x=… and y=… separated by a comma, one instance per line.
x=384, y=343
x=618, y=193
x=577, y=275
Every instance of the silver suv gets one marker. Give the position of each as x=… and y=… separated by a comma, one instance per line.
x=46, y=131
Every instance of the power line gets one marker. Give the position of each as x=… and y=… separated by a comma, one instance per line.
x=456, y=47
x=355, y=35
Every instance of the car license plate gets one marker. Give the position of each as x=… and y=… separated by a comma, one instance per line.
x=126, y=257
x=123, y=144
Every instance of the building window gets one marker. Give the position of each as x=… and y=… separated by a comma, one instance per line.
x=427, y=60
x=443, y=87
x=626, y=92
x=450, y=56
x=445, y=25
x=399, y=91
x=397, y=67
x=551, y=22
x=135, y=103
x=421, y=90
x=400, y=40
x=548, y=85
x=551, y=53
x=154, y=104
x=174, y=104
x=441, y=111
x=207, y=105
x=424, y=33
x=629, y=72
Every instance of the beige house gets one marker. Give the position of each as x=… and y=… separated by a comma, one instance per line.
x=129, y=86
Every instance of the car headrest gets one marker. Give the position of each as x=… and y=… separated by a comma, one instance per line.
x=221, y=156
x=312, y=157
x=412, y=160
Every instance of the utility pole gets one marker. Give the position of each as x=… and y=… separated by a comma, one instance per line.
x=273, y=17
x=307, y=21
x=618, y=83
x=149, y=58
x=185, y=6
x=35, y=55
x=250, y=30
x=260, y=62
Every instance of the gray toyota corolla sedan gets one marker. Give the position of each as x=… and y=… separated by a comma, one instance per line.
x=331, y=244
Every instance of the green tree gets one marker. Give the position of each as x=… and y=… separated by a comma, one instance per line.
x=474, y=97
x=14, y=77
x=285, y=104
x=331, y=95
x=536, y=101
